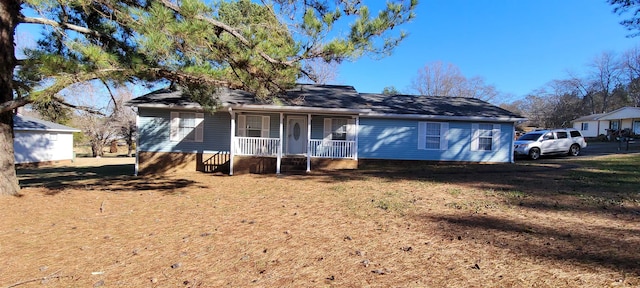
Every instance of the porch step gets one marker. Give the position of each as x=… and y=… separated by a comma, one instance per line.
x=293, y=164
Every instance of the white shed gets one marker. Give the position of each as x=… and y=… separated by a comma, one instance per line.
x=39, y=141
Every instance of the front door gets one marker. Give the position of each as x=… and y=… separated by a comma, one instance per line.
x=296, y=135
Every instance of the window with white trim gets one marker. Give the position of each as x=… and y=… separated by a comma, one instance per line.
x=585, y=127
x=485, y=137
x=432, y=135
x=339, y=129
x=187, y=127
x=254, y=126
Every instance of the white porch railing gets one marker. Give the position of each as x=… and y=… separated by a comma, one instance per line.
x=256, y=146
x=321, y=148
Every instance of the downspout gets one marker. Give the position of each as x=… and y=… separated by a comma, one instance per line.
x=233, y=140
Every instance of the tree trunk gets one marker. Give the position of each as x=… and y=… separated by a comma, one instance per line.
x=9, y=10
x=97, y=149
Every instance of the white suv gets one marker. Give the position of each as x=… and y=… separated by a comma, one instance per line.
x=545, y=142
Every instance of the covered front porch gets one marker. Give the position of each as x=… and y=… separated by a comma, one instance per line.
x=271, y=141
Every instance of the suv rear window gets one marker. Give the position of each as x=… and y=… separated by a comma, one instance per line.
x=561, y=135
x=575, y=133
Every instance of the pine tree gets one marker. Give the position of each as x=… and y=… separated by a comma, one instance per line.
x=200, y=45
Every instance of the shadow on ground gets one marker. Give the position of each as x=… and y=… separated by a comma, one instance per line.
x=104, y=177
x=613, y=248
x=558, y=184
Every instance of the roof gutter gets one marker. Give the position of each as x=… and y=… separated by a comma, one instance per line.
x=298, y=109
x=441, y=117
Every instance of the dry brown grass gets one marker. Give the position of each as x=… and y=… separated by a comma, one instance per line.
x=424, y=226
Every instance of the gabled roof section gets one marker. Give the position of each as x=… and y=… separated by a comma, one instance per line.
x=622, y=113
x=436, y=107
x=26, y=123
x=343, y=99
x=592, y=117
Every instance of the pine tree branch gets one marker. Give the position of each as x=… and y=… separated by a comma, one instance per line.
x=231, y=31
x=14, y=104
x=78, y=107
x=52, y=23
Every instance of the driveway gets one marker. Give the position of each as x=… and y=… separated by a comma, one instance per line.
x=608, y=148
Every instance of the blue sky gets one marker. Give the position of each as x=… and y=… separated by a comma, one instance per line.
x=516, y=45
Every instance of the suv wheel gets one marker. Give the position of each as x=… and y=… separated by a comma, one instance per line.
x=534, y=153
x=574, y=150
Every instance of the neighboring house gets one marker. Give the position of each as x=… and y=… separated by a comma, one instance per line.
x=37, y=141
x=602, y=124
x=591, y=126
x=316, y=127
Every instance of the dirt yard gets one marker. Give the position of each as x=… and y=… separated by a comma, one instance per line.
x=549, y=223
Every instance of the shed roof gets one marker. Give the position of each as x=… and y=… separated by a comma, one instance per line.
x=26, y=123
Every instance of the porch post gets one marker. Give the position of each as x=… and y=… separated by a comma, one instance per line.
x=308, y=143
x=355, y=149
x=233, y=140
x=279, y=159
x=135, y=171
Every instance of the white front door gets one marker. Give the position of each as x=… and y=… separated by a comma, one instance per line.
x=296, y=135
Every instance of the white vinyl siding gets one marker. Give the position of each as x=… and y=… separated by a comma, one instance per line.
x=432, y=135
x=485, y=137
x=254, y=126
x=187, y=127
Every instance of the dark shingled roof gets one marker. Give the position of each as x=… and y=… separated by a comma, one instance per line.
x=21, y=123
x=342, y=97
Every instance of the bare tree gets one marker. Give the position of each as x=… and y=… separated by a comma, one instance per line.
x=320, y=71
x=631, y=74
x=124, y=118
x=440, y=79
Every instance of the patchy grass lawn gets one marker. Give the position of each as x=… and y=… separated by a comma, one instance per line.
x=549, y=223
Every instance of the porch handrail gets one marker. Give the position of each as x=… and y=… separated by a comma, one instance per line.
x=321, y=148
x=256, y=146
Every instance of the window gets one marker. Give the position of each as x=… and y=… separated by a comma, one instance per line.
x=187, y=127
x=485, y=137
x=254, y=126
x=561, y=135
x=432, y=135
x=615, y=125
x=575, y=133
x=584, y=127
x=339, y=129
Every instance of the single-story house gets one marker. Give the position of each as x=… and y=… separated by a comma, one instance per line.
x=315, y=127
x=602, y=124
x=39, y=142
